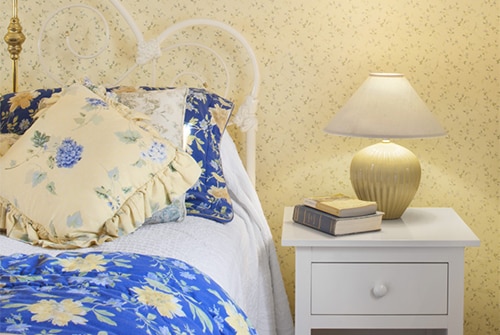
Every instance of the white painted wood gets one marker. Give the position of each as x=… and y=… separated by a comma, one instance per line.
x=335, y=276
x=378, y=332
x=401, y=288
x=418, y=227
x=302, y=296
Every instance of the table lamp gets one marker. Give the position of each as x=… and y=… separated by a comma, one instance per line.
x=385, y=106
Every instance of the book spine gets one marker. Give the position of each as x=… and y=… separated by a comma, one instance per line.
x=315, y=219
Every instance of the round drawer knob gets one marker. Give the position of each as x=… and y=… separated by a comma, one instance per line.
x=379, y=290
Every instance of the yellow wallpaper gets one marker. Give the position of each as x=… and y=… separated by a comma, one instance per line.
x=313, y=55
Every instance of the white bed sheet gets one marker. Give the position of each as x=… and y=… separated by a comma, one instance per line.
x=240, y=255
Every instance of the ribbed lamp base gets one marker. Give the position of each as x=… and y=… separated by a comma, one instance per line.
x=388, y=174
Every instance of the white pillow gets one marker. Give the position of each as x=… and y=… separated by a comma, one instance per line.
x=165, y=109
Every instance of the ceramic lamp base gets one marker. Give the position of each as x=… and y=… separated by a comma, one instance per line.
x=388, y=174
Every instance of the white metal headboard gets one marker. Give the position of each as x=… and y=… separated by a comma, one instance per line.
x=148, y=53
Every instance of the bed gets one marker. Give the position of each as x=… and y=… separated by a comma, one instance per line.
x=125, y=207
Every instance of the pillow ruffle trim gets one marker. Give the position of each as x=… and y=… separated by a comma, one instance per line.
x=165, y=186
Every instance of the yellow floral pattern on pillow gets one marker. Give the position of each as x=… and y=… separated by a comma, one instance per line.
x=86, y=172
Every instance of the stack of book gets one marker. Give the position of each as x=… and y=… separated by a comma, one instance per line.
x=338, y=215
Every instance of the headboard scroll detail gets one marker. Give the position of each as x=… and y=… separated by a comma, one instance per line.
x=148, y=53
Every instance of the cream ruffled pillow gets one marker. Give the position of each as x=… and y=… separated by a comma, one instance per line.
x=86, y=172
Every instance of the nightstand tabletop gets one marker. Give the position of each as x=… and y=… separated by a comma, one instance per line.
x=418, y=227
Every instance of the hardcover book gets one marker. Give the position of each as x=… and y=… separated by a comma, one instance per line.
x=342, y=205
x=335, y=225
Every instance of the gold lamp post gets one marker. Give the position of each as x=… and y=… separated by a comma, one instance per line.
x=14, y=39
x=385, y=106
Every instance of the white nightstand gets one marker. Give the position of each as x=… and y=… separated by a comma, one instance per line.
x=408, y=276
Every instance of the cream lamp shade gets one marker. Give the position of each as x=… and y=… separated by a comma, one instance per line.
x=385, y=106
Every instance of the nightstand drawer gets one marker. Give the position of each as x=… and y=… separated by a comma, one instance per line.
x=379, y=288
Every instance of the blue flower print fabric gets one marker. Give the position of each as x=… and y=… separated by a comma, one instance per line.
x=17, y=109
x=205, y=120
x=112, y=293
x=68, y=153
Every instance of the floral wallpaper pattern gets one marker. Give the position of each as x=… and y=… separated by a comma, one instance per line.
x=312, y=57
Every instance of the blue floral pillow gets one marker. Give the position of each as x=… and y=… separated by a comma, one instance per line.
x=199, y=132
x=17, y=109
x=205, y=120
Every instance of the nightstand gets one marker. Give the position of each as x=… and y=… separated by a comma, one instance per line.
x=407, y=278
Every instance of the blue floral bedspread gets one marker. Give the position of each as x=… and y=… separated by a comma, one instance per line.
x=112, y=293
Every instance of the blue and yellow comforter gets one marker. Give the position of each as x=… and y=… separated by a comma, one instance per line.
x=112, y=293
